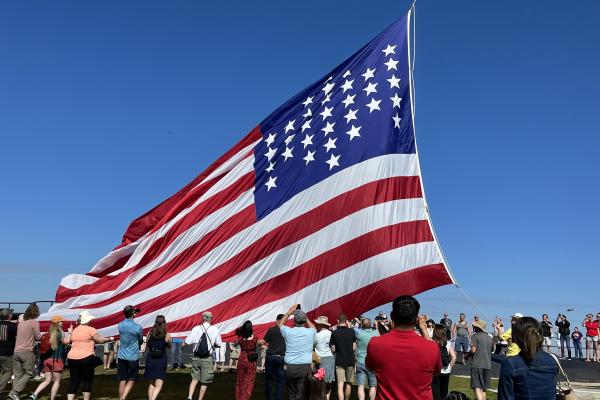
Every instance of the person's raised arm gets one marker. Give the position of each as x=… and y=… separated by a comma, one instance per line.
x=422, y=324
x=310, y=324
x=286, y=316
x=67, y=336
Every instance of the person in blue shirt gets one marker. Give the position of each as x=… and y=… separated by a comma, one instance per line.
x=299, y=342
x=531, y=375
x=128, y=364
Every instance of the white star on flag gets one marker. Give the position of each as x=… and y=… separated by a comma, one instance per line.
x=333, y=161
x=396, y=119
x=348, y=100
x=369, y=74
x=373, y=105
x=270, y=139
x=394, y=82
x=326, y=112
x=308, y=101
x=271, y=183
x=307, y=140
x=371, y=88
x=289, y=139
x=347, y=73
x=396, y=100
x=271, y=167
x=351, y=115
x=270, y=153
x=330, y=144
x=389, y=50
x=290, y=126
x=347, y=85
x=287, y=153
x=306, y=125
x=328, y=87
x=354, y=132
x=328, y=128
x=326, y=99
x=309, y=157
x=391, y=64
x=307, y=114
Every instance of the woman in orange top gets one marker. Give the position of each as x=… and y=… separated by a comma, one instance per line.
x=82, y=359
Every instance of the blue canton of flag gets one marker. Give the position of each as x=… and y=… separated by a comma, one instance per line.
x=360, y=110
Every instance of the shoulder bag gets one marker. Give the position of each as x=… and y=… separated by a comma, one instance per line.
x=564, y=390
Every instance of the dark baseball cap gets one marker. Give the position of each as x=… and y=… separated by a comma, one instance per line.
x=130, y=310
x=5, y=312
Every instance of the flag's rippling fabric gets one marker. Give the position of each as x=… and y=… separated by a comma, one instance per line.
x=321, y=204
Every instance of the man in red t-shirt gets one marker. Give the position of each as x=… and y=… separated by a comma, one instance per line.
x=591, y=340
x=404, y=362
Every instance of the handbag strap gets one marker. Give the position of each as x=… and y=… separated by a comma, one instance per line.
x=562, y=371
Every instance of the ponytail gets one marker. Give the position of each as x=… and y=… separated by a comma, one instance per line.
x=527, y=334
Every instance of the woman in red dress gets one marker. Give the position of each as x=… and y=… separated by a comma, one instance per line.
x=246, y=367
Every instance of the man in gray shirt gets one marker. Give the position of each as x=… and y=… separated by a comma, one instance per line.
x=481, y=359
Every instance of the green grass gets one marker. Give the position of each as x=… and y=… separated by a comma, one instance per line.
x=176, y=386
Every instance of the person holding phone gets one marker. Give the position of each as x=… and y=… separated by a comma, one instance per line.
x=299, y=342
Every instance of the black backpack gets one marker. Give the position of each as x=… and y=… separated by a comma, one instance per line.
x=202, y=349
x=445, y=356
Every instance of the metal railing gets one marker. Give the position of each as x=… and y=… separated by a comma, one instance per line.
x=23, y=304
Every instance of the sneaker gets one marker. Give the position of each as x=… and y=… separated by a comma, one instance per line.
x=13, y=396
x=33, y=397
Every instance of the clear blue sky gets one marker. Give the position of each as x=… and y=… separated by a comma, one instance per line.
x=108, y=107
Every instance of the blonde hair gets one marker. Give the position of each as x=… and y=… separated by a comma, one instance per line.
x=56, y=334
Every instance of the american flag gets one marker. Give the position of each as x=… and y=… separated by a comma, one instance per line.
x=321, y=204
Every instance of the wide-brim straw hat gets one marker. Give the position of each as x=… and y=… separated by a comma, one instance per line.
x=480, y=324
x=322, y=320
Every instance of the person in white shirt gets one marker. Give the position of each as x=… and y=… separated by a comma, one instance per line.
x=323, y=351
x=204, y=339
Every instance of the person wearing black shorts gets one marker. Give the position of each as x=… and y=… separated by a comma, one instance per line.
x=128, y=365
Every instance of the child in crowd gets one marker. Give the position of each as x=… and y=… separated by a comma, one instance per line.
x=314, y=386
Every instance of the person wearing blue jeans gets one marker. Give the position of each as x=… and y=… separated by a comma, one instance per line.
x=176, y=353
x=274, y=377
x=577, y=336
x=274, y=362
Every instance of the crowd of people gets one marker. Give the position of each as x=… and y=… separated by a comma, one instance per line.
x=408, y=356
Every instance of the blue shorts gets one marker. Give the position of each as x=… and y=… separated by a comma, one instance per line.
x=328, y=364
x=364, y=375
